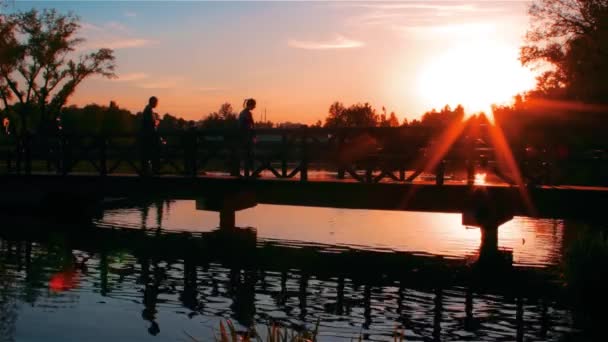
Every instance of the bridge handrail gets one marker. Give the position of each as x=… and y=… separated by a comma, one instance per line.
x=373, y=149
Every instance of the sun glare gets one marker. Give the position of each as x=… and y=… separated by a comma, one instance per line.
x=480, y=178
x=474, y=75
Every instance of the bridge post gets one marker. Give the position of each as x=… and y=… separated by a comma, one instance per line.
x=103, y=158
x=27, y=149
x=227, y=205
x=440, y=173
x=302, y=294
x=18, y=155
x=468, y=309
x=470, y=172
x=9, y=161
x=489, y=240
x=190, y=147
x=470, y=159
x=66, y=156
x=235, y=162
x=227, y=218
x=369, y=171
x=341, y=143
x=437, y=313
x=367, y=306
x=340, y=296
x=284, y=155
x=304, y=165
x=519, y=319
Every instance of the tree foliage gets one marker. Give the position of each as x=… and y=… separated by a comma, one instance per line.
x=444, y=117
x=39, y=65
x=571, y=36
x=225, y=117
x=358, y=115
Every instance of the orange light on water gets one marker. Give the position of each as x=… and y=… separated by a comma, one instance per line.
x=480, y=178
x=63, y=281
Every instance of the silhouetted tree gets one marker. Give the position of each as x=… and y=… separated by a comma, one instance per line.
x=444, y=117
x=170, y=123
x=117, y=121
x=96, y=119
x=35, y=68
x=226, y=112
x=572, y=37
x=335, y=117
x=225, y=117
x=264, y=124
x=393, y=121
x=358, y=115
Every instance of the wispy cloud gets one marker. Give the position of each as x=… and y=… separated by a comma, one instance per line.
x=166, y=83
x=114, y=25
x=420, y=13
x=130, y=14
x=427, y=6
x=112, y=35
x=130, y=43
x=339, y=43
x=450, y=29
x=134, y=76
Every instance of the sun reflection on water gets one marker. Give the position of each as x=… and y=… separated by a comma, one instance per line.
x=480, y=178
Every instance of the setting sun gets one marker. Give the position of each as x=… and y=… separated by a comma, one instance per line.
x=475, y=75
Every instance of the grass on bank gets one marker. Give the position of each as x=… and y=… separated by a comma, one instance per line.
x=275, y=333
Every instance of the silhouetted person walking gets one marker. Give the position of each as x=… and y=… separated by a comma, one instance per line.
x=150, y=140
x=247, y=125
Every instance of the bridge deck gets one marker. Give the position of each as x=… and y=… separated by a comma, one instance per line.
x=546, y=201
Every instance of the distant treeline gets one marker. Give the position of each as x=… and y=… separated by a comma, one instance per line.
x=531, y=119
x=540, y=121
x=111, y=119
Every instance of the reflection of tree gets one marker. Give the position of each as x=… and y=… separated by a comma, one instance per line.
x=8, y=302
x=189, y=296
x=300, y=295
x=150, y=299
x=242, y=290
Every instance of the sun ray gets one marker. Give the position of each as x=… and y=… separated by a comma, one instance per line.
x=505, y=157
x=435, y=155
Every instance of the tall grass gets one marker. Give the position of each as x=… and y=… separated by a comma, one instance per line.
x=586, y=275
x=275, y=333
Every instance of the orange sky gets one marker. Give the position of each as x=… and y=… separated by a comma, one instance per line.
x=297, y=58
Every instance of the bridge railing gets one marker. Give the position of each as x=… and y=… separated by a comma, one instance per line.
x=364, y=154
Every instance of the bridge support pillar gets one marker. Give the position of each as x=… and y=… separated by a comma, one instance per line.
x=227, y=218
x=487, y=213
x=227, y=204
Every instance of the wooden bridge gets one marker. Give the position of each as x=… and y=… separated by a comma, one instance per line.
x=362, y=168
x=366, y=155
x=370, y=168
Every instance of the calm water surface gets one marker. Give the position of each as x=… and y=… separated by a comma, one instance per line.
x=132, y=276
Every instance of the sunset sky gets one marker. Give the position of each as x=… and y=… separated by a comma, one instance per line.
x=297, y=58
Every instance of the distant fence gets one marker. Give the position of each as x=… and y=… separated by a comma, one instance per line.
x=367, y=155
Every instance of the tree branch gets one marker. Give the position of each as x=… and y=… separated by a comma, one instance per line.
x=13, y=86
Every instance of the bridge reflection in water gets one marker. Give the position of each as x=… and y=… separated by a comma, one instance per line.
x=229, y=272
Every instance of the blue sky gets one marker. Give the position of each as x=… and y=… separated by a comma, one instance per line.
x=296, y=58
